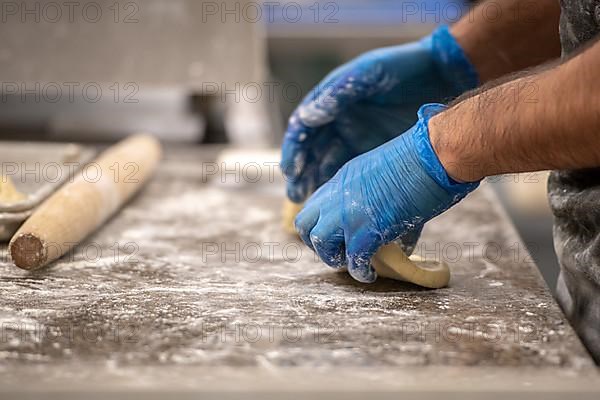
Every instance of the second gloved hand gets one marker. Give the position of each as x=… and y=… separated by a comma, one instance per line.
x=380, y=196
x=367, y=102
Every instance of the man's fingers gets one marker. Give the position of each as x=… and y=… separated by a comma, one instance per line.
x=345, y=86
x=354, y=85
x=318, y=161
x=327, y=239
x=360, y=248
x=303, y=127
x=295, y=147
x=305, y=222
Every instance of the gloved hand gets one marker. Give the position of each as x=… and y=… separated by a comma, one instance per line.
x=367, y=102
x=385, y=194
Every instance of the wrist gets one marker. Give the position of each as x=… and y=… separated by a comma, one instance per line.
x=439, y=163
x=452, y=62
x=441, y=135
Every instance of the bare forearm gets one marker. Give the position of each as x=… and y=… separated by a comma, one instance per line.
x=545, y=120
x=501, y=37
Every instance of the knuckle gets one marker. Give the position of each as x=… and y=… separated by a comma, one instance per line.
x=316, y=240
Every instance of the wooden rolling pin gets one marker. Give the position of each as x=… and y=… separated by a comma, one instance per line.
x=81, y=206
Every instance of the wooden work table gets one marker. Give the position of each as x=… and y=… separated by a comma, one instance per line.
x=194, y=286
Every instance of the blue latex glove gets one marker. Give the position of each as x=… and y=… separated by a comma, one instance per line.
x=367, y=102
x=378, y=197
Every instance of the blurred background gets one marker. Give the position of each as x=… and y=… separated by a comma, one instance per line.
x=201, y=72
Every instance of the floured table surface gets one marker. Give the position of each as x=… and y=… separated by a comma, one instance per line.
x=195, y=282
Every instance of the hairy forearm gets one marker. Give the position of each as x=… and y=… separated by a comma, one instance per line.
x=505, y=36
x=548, y=119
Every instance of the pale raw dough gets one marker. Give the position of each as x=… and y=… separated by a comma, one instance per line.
x=8, y=192
x=288, y=215
x=390, y=261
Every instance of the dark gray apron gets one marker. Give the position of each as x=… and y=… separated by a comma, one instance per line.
x=575, y=201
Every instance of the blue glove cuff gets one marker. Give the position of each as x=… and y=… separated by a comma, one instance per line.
x=452, y=62
x=430, y=160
